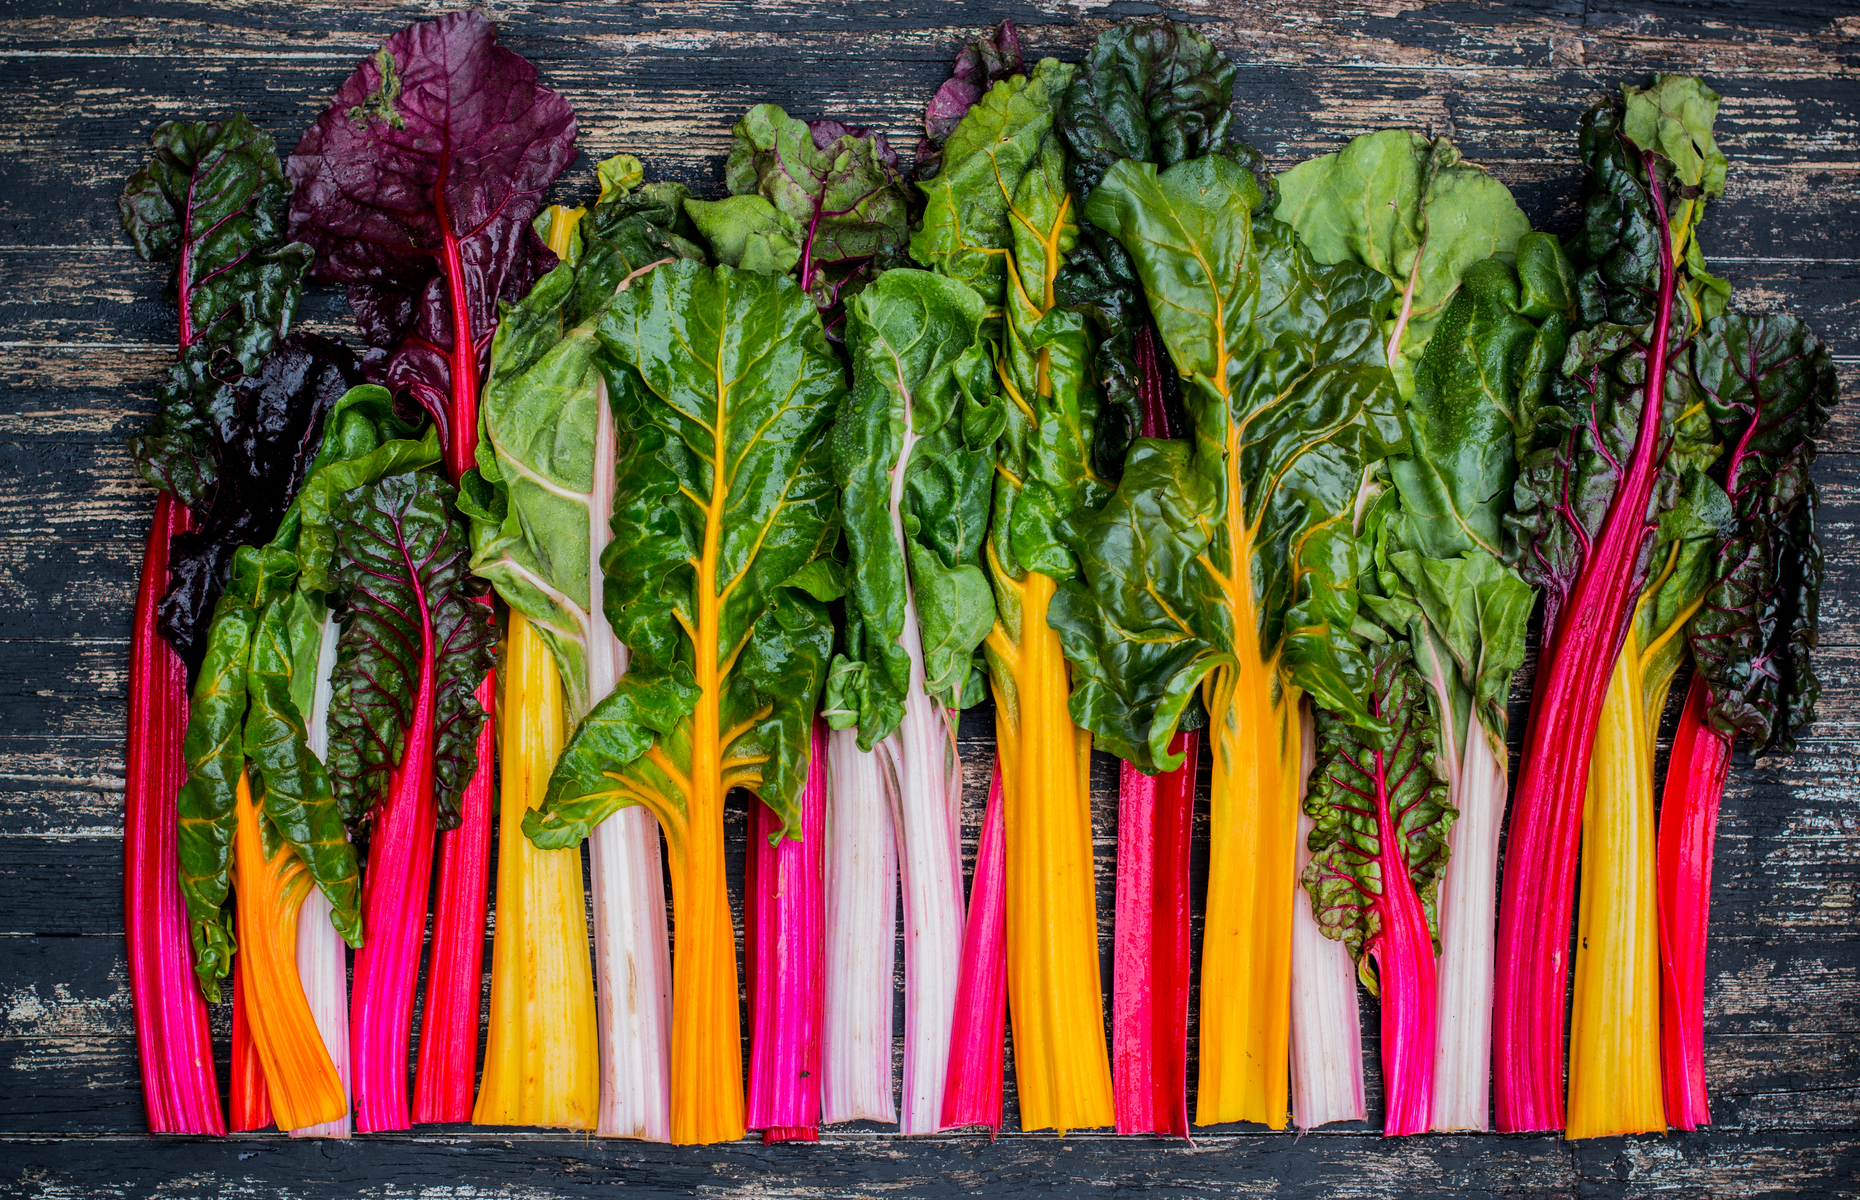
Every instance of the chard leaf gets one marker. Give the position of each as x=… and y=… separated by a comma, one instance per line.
x=210, y=201
x=1157, y=93
x=417, y=184
x=295, y=787
x=915, y=502
x=541, y=499
x=1290, y=394
x=1382, y=818
x=401, y=573
x=266, y=429
x=966, y=223
x=823, y=194
x=981, y=64
x=1409, y=208
x=724, y=386
x=363, y=441
x=214, y=748
x=1768, y=384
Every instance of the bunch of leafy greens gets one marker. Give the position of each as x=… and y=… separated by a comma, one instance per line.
x=724, y=517
x=1227, y=565
x=1000, y=219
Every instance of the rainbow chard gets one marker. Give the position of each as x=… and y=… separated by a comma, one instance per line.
x=1477, y=380
x=1768, y=385
x=1622, y=421
x=724, y=517
x=404, y=725
x=998, y=217
x=541, y=506
x=1378, y=852
x=915, y=511
x=1465, y=349
x=235, y=286
x=1224, y=568
x=417, y=186
x=1157, y=93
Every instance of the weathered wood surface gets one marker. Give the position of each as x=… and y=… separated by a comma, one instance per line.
x=83, y=334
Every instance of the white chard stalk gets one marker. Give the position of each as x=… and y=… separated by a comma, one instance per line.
x=924, y=781
x=862, y=922
x=1327, y=1033
x=1468, y=938
x=632, y=952
x=322, y=958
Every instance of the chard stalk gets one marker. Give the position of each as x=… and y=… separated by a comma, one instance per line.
x=1695, y=774
x=861, y=929
x=298, y=1077
x=1327, y=1025
x=923, y=778
x=322, y=958
x=632, y=952
x=394, y=898
x=1468, y=907
x=541, y=1060
x=179, y=1091
x=250, y=1102
x=1614, y=1055
x=784, y=925
x=972, y=1095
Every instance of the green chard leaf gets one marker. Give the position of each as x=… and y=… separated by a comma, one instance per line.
x=1409, y=208
x=1154, y=92
x=541, y=500
x=1382, y=817
x=1480, y=380
x=1768, y=384
x=401, y=575
x=292, y=782
x=1290, y=396
x=723, y=514
x=214, y=748
x=211, y=201
x=915, y=502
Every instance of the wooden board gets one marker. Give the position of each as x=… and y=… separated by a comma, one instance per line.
x=83, y=334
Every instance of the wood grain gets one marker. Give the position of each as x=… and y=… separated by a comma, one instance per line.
x=84, y=332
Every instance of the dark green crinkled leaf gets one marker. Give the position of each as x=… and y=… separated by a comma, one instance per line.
x=720, y=377
x=1155, y=92
x=363, y=441
x=211, y=201
x=402, y=565
x=215, y=751
x=1282, y=357
x=910, y=490
x=1350, y=861
x=1768, y=384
